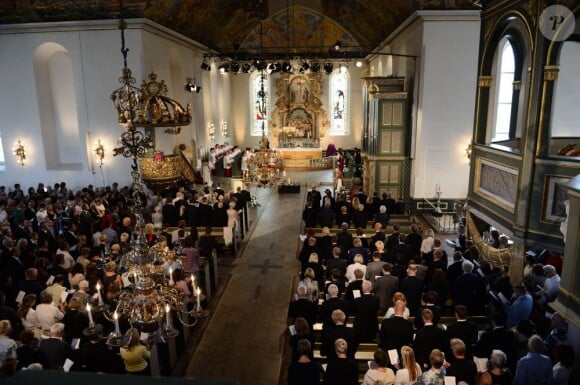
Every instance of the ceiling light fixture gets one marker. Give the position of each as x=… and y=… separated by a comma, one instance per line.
x=286, y=67
x=315, y=68
x=234, y=67
x=304, y=67
x=192, y=86
x=205, y=66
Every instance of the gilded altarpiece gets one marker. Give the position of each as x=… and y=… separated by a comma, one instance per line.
x=299, y=118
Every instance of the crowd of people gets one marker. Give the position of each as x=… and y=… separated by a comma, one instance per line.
x=412, y=282
x=61, y=250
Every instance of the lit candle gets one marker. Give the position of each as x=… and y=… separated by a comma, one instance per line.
x=99, y=294
x=193, y=282
x=91, y=322
x=135, y=277
x=170, y=274
x=168, y=316
x=116, y=317
x=198, y=292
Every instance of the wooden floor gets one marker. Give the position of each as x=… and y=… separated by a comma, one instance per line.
x=244, y=339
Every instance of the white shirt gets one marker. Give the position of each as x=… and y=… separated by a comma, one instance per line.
x=427, y=245
x=48, y=315
x=351, y=268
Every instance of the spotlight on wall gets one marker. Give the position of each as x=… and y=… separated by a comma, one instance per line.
x=205, y=66
x=359, y=63
x=328, y=67
x=235, y=67
x=224, y=68
x=315, y=68
x=100, y=153
x=19, y=152
x=246, y=68
x=286, y=67
x=192, y=86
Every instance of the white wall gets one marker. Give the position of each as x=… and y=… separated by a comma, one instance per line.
x=565, y=116
x=94, y=48
x=443, y=85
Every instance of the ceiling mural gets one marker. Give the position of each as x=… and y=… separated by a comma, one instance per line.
x=230, y=25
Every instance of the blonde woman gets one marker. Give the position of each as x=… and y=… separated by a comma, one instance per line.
x=398, y=296
x=135, y=355
x=427, y=243
x=410, y=371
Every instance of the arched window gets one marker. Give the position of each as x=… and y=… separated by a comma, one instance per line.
x=504, y=91
x=259, y=103
x=339, y=106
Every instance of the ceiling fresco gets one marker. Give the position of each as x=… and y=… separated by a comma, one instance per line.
x=232, y=25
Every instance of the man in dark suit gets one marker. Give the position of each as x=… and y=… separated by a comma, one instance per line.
x=54, y=348
x=384, y=288
x=344, y=239
x=314, y=197
x=401, y=250
x=428, y=338
x=455, y=270
x=360, y=217
x=326, y=216
x=339, y=330
x=429, y=302
x=374, y=268
x=302, y=307
x=412, y=287
x=469, y=290
x=414, y=240
x=438, y=263
x=393, y=239
x=333, y=303
x=365, y=314
x=498, y=338
x=396, y=331
x=354, y=286
x=379, y=235
x=463, y=329
x=336, y=262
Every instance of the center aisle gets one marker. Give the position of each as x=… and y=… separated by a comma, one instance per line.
x=242, y=341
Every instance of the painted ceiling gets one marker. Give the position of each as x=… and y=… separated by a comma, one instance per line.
x=247, y=25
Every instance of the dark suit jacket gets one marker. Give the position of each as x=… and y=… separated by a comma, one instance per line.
x=305, y=309
x=469, y=290
x=453, y=272
x=314, y=197
x=335, y=263
x=55, y=351
x=354, y=285
x=344, y=240
x=392, y=241
x=395, y=333
x=332, y=334
x=365, y=317
x=329, y=306
x=414, y=241
x=466, y=331
x=401, y=251
x=384, y=288
x=497, y=338
x=427, y=339
x=412, y=287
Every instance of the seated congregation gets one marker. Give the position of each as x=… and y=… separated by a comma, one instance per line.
x=61, y=250
x=396, y=309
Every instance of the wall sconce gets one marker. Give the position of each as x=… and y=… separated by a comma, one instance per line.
x=19, y=152
x=224, y=128
x=100, y=153
x=211, y=131
x=468, y=150
x=192, y=86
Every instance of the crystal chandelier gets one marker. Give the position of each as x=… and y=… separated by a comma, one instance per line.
x=151, y=301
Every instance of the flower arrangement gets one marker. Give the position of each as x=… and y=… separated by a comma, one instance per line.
x=254, y=200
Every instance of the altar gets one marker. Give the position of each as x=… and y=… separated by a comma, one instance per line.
x=300, y=153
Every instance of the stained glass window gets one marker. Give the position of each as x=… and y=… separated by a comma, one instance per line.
x=260, y=103
x=339, y=95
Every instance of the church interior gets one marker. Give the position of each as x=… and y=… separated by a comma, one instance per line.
x=464, y=113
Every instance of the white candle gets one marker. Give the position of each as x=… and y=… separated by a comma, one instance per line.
x=91, y=322
x=168, y=316
x=193, y=282
x=198, y=292
x=116, y=317
x=135, y=277
x=99, y=293
x=170, y=274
